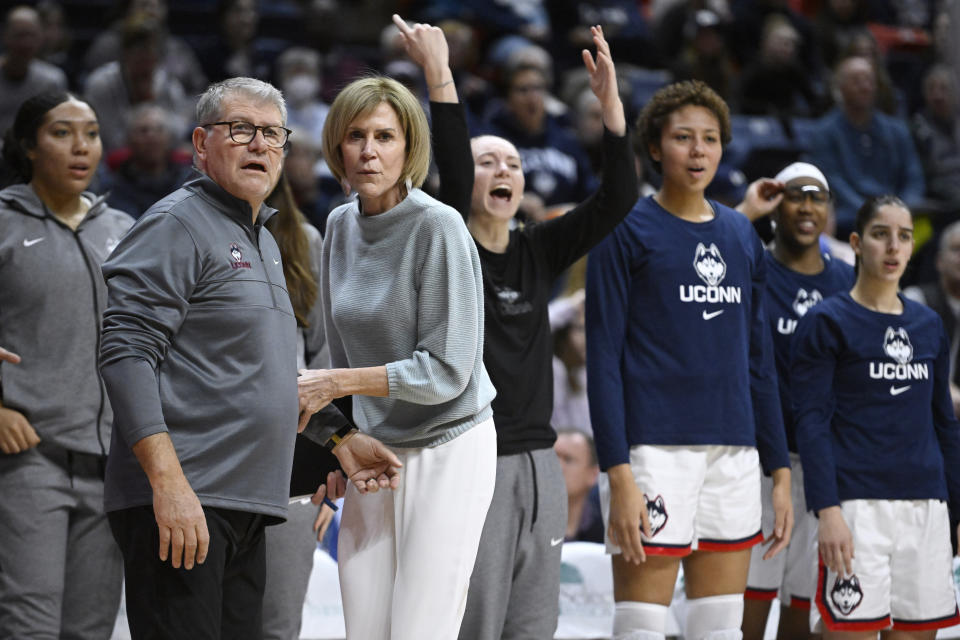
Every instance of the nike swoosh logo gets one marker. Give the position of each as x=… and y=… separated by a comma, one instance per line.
x=30, y=243
x=555, y=541
x=710, y=315
x=895, y=391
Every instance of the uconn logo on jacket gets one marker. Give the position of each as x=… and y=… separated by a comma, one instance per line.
x=804, y=301
x=711, y=269
x=897, y=346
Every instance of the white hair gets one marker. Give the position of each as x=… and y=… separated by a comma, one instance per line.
x=211, y=102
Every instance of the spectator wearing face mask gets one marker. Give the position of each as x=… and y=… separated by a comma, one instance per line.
x=298, y=70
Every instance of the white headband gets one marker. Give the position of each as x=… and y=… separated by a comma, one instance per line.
x=802, y=170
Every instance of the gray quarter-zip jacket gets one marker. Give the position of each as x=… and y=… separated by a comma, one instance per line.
x=51, y=297
x=200, y=341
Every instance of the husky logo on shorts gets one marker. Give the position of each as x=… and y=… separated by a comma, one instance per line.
x=806, y=301
x=709, y=264
x=896, y=344
x=657, y=513
x=846, y=594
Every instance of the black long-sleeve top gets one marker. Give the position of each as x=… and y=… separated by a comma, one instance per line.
x=518, y=345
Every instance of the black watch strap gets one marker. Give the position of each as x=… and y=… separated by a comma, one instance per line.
x=338, y=436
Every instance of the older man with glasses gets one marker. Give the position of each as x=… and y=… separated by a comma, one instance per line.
x=199, y=359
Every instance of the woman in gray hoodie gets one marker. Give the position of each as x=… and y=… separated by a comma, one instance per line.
x=61, y=570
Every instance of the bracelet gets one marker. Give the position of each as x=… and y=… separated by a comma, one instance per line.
x=339, y=436
x=441, y=85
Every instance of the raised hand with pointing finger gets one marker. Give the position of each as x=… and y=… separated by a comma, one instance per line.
x=427, y=46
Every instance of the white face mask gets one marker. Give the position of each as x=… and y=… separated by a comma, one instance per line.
x=301, y=89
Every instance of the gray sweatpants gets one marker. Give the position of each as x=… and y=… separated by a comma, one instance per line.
x=60, y=570
x=515, y=585
x=290, y=548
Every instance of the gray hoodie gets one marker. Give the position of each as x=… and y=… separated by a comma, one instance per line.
x=200, y=341
x=51, y=297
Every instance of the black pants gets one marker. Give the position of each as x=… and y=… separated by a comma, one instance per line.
x=219, y=599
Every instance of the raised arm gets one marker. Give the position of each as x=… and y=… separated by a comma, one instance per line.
x=569, y=237
x=427, y=46
x=603, y=83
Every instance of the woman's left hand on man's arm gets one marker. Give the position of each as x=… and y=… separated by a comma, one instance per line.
x=316, y=388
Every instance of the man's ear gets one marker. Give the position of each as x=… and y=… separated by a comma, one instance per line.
x=200, y=144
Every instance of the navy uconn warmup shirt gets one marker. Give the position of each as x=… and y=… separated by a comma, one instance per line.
x=788, y=297
x=678, y=350
x=872, y=405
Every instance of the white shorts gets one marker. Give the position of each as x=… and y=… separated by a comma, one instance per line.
x=902, y=570
x=787, y=575
x=703, y=497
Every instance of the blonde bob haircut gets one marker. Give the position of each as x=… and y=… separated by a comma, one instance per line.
x=361, y=97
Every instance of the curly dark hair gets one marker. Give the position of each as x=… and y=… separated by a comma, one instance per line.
x=671, y=98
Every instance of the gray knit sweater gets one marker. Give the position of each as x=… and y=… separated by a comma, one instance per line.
x=404, y=288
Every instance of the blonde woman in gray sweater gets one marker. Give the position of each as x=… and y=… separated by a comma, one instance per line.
x=402, y=296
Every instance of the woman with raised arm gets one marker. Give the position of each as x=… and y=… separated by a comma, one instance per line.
x=682, y=384
x=879, y=443
x=515, y=583
x=60, y=570
x=402, y=297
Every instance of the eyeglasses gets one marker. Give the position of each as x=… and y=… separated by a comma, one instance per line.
x=796, y=195
x=243, y=132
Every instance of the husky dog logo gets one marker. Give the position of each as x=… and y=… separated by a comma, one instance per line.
x=806, y=301
x=709, y=264
x=235, y=252
x=846, y=594
x=896, y=344
x=657, y=513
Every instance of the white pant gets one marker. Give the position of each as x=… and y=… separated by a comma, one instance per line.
x=405, y=556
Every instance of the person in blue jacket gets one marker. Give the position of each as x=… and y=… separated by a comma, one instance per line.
x=682, y=384
x=799, y=276
x=879, y=444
